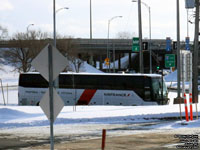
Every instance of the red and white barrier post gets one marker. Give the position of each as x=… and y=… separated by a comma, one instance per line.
x=191, y=112
x=186, y=108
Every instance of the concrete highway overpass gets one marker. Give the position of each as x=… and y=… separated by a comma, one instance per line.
x=96, y=49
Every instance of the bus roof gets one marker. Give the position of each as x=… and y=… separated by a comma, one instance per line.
x=103, y=74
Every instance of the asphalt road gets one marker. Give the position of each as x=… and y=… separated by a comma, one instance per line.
x=88, y=137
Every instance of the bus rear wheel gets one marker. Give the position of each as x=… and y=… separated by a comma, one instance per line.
x=38, y=104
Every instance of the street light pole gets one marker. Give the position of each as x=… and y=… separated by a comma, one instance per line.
x=150, y=51
x=54, y=23
x=140, y=35
x=108, y=55
x=28, y=27
x=50, y=74
x=56, y=11
x=178, y=58
x=61, y=9
x=90, y=19
x=187, y=23
x=56, y=82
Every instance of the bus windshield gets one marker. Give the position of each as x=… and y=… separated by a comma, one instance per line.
x=159, y=88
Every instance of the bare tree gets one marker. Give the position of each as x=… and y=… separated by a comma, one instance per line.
x=3, y=33
x=75, y=63
x=27, y=46
x=1, y=62
x=3, y=36
x=125, y=35
x=69, y=48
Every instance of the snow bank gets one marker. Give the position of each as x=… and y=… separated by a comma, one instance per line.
x=30, y=116
x=172, y=77
x=89, y=69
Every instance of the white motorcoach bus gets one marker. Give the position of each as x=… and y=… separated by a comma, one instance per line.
x=96, y=89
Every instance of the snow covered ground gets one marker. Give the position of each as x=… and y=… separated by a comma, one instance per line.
x=30, y=116
x=171, y=81
x=86, y=119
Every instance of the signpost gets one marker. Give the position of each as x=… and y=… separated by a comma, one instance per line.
x=168, y=44
x=135, y=46
x=187, y=43
x=189, y=4
x=51, y=103
x=107, y=60
x=169, y=60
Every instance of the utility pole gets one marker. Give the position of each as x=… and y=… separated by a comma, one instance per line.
x=195, y=55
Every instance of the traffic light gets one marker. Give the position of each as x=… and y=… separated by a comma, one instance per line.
x=145, y=46
x=157, y=69
x=174, y=45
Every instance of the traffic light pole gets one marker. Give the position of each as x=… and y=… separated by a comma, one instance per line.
x=195, y=56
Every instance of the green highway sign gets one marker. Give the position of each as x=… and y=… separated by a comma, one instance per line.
x=169, y=60
x=136, y=45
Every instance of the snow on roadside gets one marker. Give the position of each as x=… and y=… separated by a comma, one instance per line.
x=32, y=116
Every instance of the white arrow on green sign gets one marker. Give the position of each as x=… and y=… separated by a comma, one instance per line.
x=136, y=45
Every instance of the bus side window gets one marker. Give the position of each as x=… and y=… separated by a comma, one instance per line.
x=147, y=89
x=147, y=93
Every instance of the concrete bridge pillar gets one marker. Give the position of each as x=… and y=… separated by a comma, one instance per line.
x=130, y=62
x=91, y=60
x=119, y=61
x=100, y=62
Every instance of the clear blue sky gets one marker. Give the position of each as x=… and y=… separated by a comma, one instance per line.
x=16, y=15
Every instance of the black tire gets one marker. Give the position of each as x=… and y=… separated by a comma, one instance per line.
x=38, y=104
